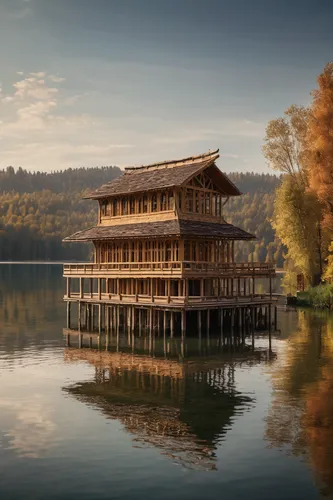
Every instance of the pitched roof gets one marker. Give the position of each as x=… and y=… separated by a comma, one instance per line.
x=175, y=227
x=166, y=175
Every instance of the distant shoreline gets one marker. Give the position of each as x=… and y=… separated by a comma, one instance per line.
x=39, y=262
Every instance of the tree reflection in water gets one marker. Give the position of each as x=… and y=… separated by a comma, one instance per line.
x=300, y=420
x=184, y=408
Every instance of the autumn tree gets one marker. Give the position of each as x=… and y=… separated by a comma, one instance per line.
x=320, y=143
x=296, y=219
x=285, y=143
x=297, y=212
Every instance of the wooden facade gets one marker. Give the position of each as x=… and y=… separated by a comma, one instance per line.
x=161, y=241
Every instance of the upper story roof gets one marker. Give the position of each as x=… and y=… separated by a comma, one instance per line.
x=167, y=175
x=163, y=229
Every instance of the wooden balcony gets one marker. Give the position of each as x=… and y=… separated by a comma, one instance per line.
x=195, y=302
x=172, y=269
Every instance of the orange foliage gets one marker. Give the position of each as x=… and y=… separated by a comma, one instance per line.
x=320, y=143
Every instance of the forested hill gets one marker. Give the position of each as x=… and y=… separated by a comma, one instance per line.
x=64, y=181
x=38, y=209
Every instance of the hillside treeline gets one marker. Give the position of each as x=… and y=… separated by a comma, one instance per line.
x=37, y=210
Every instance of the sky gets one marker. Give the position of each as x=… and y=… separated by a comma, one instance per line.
x=129, y=82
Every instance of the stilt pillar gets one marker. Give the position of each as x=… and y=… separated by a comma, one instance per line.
x=208, y=322
x=172, y=324
x=69, y=314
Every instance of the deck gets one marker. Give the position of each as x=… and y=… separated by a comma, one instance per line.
x=171, y=269
x=195, y=302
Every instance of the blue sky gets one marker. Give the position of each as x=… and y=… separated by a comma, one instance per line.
x=92, y=82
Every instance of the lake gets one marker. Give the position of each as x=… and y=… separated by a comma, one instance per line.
x=235, y=423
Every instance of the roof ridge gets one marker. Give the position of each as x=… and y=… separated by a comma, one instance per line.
x=209, y=155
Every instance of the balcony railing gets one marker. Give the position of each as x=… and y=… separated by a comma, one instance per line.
x=169, y=268
x=172, y=300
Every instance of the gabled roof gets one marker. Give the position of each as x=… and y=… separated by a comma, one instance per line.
x=175, y=228
x=166, y=175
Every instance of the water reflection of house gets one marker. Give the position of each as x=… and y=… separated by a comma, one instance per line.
x=183, y=408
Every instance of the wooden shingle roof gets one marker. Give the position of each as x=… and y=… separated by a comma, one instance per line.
x=166, y=175
x=160, y=229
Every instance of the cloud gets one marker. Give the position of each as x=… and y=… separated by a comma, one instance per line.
x=34, y=87
x=56, y=79
x=33, y=430
x=48, y=125
x=39, y=132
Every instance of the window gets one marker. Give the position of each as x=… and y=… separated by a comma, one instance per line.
x=125, y=252
x=140, y=205
x=154, y=203
x=176, y=250
x=140, y=251
x=114, y=208
x=168, y=249
x=145, y=204
x=194, y=251
x=201, y=252
x=189, y=200
x=124, y=206
x=104, y=208
x=207, y=203
x=202, y=202
x=218, y=205
x=214, y=204
x=132, y=253
x=148, y=252
x=132, y=205
x=196, y=202
x=186, y=250
x=171, y=200
x=163, y=201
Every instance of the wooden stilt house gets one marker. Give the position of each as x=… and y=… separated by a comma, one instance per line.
x=161, y=242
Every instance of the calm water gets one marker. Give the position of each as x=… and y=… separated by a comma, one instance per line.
x=79, y=424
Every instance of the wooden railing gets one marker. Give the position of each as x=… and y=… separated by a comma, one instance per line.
x=176, y=268
x=172, y=300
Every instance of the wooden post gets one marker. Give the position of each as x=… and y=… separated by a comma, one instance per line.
x=81, y=288
x=183, y=322
x=91, y=288
x=221, y=323
x=68, y=314
x=99, y=288
x=140, y=321
x=133, y=319
x=208, y=322
x=79, y=316
x=199, y=323
x=172, y=324
x=99, y=318
x=117, y=325
x=150, y=329
x=239, y=314
x=151, y=289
